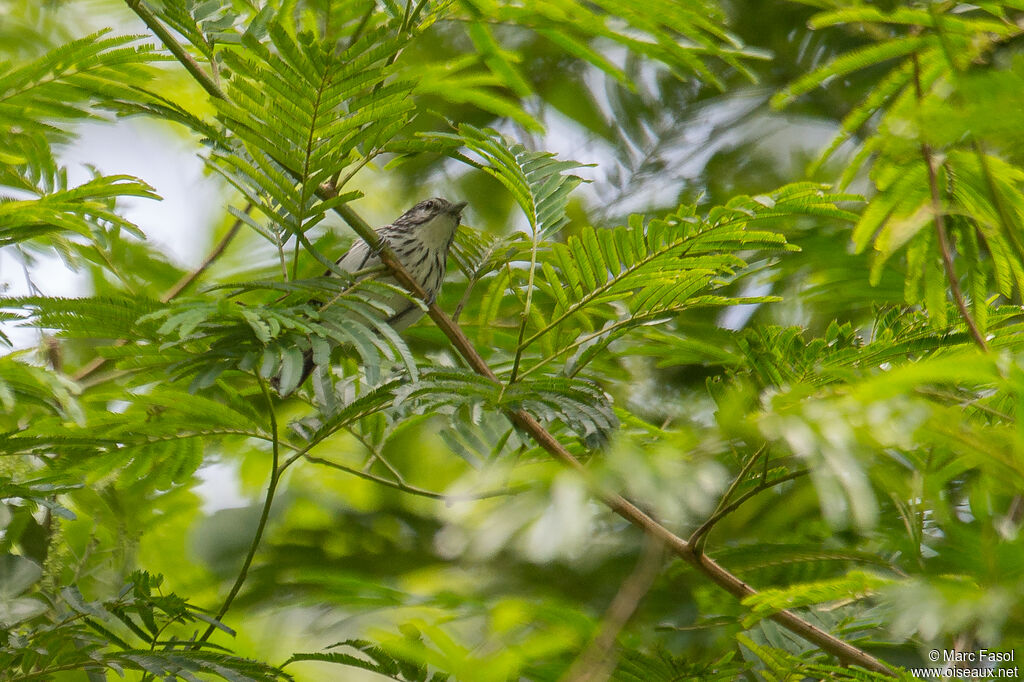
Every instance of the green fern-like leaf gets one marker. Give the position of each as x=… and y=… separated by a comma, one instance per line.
x=71, y=82
x=536, y=180
x=579, y=404
x=374, y=659
x=301, y=115
x=610, y=281
x=80, y=210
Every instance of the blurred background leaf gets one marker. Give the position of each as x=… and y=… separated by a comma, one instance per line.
x=758, y=265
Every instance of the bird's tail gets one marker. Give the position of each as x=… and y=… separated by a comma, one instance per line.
x=307, y=368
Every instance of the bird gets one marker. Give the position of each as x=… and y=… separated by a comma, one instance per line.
x=421, y=238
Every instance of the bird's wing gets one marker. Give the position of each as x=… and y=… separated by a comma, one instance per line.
x=359, y=257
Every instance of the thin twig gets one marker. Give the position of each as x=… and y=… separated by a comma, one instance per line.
x=464, y=299
x=520, y=346
x=268, y=501
x=940, y=227
x=90, y=368
x=1015, y=512
x=399, y=484
x=586, y=338
x=964, y=402
x=416, y=12
x=179, y=52
x=214, y=254
x=699, y=536
x=411, y=489
x=375, y=456
x=597, y=662
x=844, y=651
x=378, y=457
x=744, y=470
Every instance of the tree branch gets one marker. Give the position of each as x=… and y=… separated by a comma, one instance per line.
x=597, y=662
x=940, y=227
x=214, y=254
x=842, y=650
x=268, y=501
x=186, y=280
x=179, y=52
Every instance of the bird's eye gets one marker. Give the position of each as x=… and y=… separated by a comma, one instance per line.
x=430, y=204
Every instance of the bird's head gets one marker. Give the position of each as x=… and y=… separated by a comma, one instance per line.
x=434, y=220
x=427, y=210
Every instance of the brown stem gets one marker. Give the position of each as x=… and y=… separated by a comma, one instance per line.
x=940, y=227
x=214, y=254
x=597, y=662
x=179, y=52
x=89, y=368
x=845, y=652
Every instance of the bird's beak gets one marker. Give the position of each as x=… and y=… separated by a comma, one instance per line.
x=457, y=208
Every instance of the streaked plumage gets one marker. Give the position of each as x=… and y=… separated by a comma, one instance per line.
x=421, y=238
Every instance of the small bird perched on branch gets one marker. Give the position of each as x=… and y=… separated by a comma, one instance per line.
x=421, y=238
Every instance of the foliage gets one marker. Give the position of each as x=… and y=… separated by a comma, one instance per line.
x=100, y=636
x=801, y=357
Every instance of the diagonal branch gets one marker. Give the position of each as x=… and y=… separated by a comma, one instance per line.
x=186, y=280
x=192, y=276
x=597, y=662
x=175, y=48
x=940, y=227
x=844, y=651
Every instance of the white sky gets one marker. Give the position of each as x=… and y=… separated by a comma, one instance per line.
x=179, y=225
